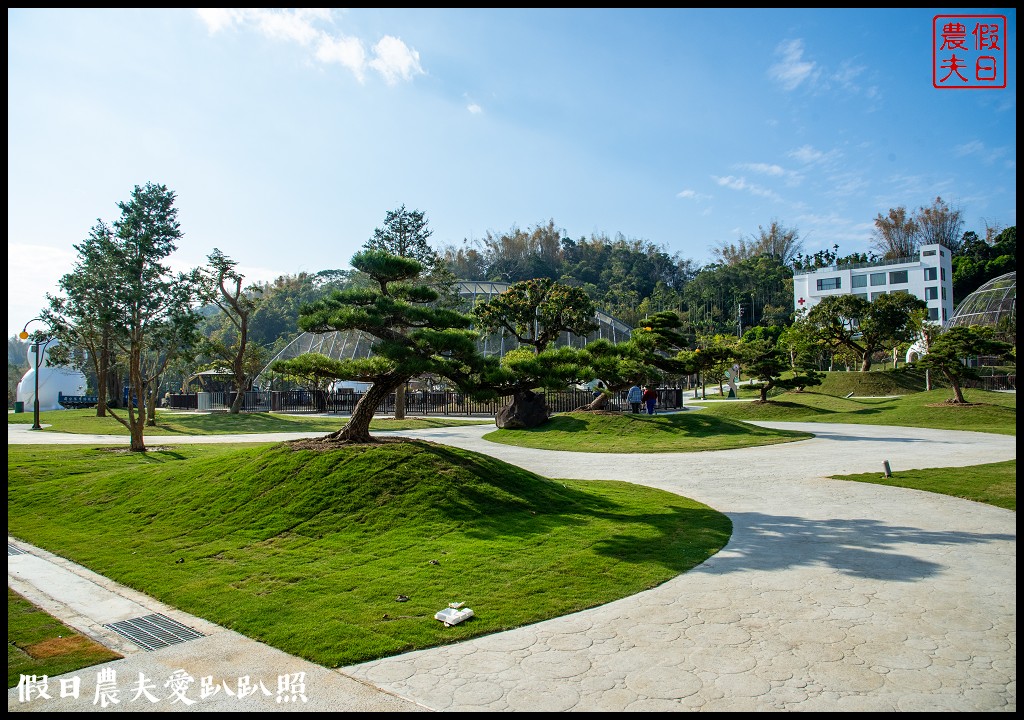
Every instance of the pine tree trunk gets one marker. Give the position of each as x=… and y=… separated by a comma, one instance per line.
x=102, y=367
x=357, y=429
x=598, y=403
x=136, y=416
x=151, y=403
x=238, y=400
x=958, y=393
x=400, y=402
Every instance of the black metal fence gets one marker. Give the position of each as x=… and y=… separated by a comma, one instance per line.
x=993, y=382
x=416, y=403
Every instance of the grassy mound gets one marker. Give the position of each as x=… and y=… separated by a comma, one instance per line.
x=309, y=551
x=689, y=431
x=875, y=384
x=173, y=422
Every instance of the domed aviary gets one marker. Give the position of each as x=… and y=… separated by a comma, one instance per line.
x=993, y=303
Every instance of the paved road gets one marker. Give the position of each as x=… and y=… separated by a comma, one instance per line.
x=830, y=596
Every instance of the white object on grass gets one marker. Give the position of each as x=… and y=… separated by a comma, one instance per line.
x=453, y=616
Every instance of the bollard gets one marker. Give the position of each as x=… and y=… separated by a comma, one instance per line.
x=885, y=466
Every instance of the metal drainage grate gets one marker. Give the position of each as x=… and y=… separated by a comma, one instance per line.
x=14, y=550
x=153, y=632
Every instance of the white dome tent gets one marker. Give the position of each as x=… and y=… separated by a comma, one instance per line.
x=54, y=380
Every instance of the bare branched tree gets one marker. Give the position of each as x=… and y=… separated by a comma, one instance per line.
x=776, y=241
x=895, y=235
x=940, y=224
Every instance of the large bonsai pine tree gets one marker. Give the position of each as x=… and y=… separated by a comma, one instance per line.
x=413, y=336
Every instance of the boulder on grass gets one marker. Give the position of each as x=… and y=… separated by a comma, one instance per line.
x=526, y=410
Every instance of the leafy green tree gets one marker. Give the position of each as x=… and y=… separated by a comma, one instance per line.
x=719, y=352
x=535, y=312
x=656, y=348
x=86, y=317
x=799, y=342
x=223, y=287
x=405, y=234
x=152, y=308
x=767, y=362
x=980, y=260
x=864, y=327
x=520, y=373
x=951, y=351
x=414, y=336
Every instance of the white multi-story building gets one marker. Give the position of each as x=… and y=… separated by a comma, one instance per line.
x=929, y=276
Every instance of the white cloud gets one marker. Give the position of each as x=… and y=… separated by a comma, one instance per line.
x=847, y=73
x=296, y=25
x=474, y=108
x=216, y=19
x=809, y=155
x=693, y=195
x=346, y=51
x=392, y=58
x=395, y=60
x=977, y=148
x=792, y=69
x=974, y=146
x=739, y=183
x=846, y=184
x=763, y=169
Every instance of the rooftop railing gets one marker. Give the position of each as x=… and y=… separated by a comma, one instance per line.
x=857, y=266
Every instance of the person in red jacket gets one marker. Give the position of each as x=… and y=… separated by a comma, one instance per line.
x=650, y=398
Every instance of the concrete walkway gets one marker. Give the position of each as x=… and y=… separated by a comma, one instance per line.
x=830, y=596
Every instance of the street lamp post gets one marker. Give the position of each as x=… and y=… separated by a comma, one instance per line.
x=35, y=396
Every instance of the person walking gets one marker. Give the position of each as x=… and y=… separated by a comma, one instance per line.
x=635, y=397
x=650, y=397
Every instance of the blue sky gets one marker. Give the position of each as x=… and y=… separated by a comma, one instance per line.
x=289, y=134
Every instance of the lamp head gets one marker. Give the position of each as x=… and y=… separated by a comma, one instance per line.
x=23, y=335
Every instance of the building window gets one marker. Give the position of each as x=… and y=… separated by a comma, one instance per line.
x=898, y=277
x=876, y=295
x=928, y=252
x=943, y=314
x=877, y=279
x=901, y=291
x=933, y=314
x=943, y=292
x=931, y=293
x=860, y=281
x=830, y=283
x=943, y=273
x=862, y=295
x=931, y=273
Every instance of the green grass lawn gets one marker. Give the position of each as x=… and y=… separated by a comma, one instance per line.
x=992, y=484
x=626, y=433
x=308, y=551
x=170, y=422
x=39, y=644
x=986, y=411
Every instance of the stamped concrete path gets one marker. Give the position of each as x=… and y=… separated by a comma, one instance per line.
x=830, y=595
